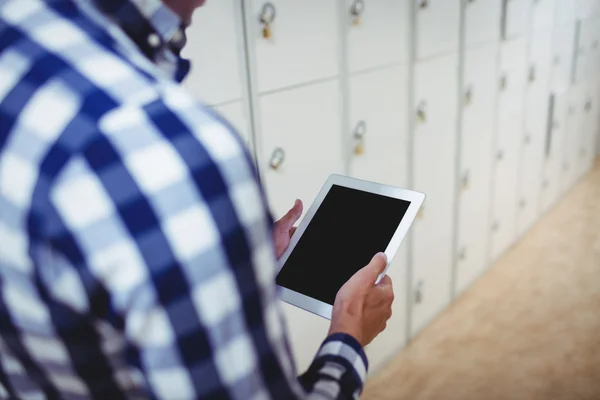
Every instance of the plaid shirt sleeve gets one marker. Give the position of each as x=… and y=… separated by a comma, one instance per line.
x=163, y=208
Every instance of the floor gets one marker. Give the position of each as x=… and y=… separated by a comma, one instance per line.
x=527, y=329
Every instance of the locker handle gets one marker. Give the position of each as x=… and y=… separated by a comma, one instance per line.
x=551, y=124
x=523, y=203
x=462, y=255
x=556, y=60
x=503, y=82
x=466, y=180
x=356, y=11
x=503, y=20
x=277, y=159
x=419, y=292
x=359, y=136
x=532, y=74
x=266, y=19
x=500, y=155
x=545, y=184
x=495, y=226
x=423, y=4
x=422, y=112
x=528, y=138
x=588, y=106
x=469, y=95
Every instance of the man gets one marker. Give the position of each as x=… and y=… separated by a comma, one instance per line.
x=136, y=251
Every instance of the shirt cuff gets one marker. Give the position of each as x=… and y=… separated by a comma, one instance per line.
x=345, y=348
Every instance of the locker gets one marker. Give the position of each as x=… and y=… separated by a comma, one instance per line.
x=589, y=130
x=235, y=113
x=586, y=8
x=554, y=150
x=517, y=15
x=300, y=136
x=300, y=147
x=564, y=11
x=482, y=21
x=294, y=41
x=537, y=102
x=434, y=165
x=378, y=118
x=543, y=13
x=378, y=33
x=216, y=74
x=437, y=27
x=476, y=143
x=513, y=64
x=563, y=59
x=587, y=45
x=572, y=138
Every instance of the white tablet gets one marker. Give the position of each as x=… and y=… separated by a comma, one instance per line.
x=348, y=223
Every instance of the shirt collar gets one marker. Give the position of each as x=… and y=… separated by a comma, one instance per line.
x=149, y=23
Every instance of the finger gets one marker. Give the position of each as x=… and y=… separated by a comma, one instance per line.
x=385, y=281
x=291, y=217
x=368, y=274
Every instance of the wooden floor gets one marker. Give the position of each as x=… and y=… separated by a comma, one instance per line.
x=527, y=329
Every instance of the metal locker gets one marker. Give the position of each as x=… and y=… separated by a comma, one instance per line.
x=378, y=33
x=543, y=13
x=537, y=103
x=433, y=170
x=554, y=152
x=299, y=141
x=294, y=41
x=476, y=157
x=437, y=27
x=235, y=113
x=378, y=120
x=482, y=21
x=563, y=58
x=215, y=48
x=564, y=11
x=516, y=18
x=300, y=136
x=513, y=77
x=572, y=140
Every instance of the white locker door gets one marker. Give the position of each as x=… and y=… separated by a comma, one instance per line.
x=437, y=23
x=555, y=151
x=434, y=159
x=584, y=61
x=301, y=43
x=536, y=121
x=513, y=62
x=378, y=33
x=517, y=16
x=235, y=113
x=564, y=47
x=543, y=13
x=476, y=142
x=214, y=47
x=300, y=141
x=379, y=135
x=564, y=11
x=572, y=138
x=482, y=21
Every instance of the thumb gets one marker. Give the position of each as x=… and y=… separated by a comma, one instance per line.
x=369, y=273
x=291, y=217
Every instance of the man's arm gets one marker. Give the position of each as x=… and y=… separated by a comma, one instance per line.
x=165, y=211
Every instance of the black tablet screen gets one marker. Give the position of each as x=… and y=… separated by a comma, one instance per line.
x=347, y=230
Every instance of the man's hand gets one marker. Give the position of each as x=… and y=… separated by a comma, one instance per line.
x=284, y=228
x=361, y=308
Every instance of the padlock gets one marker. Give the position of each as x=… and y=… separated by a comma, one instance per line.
x=356, y=20
x=359, y=149
x=266, y=31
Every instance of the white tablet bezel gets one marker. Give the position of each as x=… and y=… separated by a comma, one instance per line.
x=416, y=199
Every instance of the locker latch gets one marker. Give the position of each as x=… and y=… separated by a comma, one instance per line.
x=267, y=17
x=359, y=136
x=356, y=11
x=277, y=159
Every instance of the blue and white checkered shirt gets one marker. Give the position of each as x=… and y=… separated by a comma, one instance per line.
x=136, y=258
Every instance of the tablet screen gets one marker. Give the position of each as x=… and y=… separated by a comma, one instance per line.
x=347, y=230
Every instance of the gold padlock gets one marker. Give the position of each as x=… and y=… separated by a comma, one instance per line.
x=359, y=149
x=356, y=20
x=266, y=31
